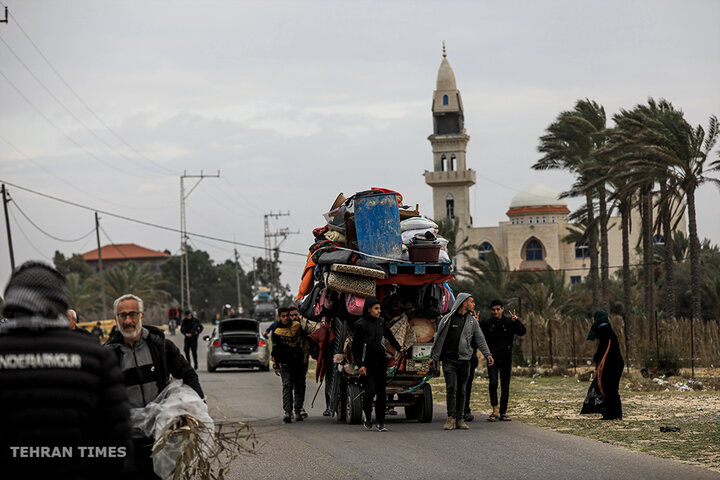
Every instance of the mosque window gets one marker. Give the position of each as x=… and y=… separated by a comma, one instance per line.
x=533, y=250
x=575, y=279
x=450, y=206
x=452, y=163
x=530, y=219
x=537, y=219
x=522, y=220
x=658, y=240
x=581, y=250
x=543, y=219
x=553, y=219
x=484, y=250
x=446, y=100
x=443, y=161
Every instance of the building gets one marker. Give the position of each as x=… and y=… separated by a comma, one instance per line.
x=533, y=236
x=118, y=253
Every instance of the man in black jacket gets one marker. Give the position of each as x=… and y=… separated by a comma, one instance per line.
x=61, y=393
x=191, y=328
x=288, y=362
x=499, y=331
x=369, y=356
x=147, y=360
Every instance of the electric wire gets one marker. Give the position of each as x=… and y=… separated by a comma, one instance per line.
x=69, y=112
x=15, y=204
x=68, y=137
x=143, y=222
x=77, y=96
x=17, y=224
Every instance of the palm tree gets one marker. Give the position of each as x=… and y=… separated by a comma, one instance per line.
x=667, y=146
x=135, y=278
x=491, y=276
x=448, y=229
x=572, y=143
x=83, y=295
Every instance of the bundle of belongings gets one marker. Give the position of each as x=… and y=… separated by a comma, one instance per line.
x=338, y=276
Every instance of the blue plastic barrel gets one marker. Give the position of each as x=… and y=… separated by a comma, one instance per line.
x=377, y=225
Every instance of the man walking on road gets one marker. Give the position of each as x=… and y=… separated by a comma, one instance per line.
x=191, y=328
x=287, y=355
x=147, y=360
x=452, y=346
x=500, y=331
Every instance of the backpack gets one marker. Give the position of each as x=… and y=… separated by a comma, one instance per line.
x=354, y=304
x=429, y=299
x=311, y=306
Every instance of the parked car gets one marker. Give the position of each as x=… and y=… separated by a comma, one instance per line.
x=237, y=342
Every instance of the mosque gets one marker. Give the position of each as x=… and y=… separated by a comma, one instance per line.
x=537, y=219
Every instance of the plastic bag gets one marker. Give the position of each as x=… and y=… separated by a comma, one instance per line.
x=173, y=402
x=594, y=400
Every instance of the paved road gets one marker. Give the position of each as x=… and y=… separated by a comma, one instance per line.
x=320, y=448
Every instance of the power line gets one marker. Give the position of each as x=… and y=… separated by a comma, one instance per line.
x=77, y=96
x=15, y=204
x=75, y=187
x=47, y=119
x=69, y=112
x=17, y=224
x=143, y=222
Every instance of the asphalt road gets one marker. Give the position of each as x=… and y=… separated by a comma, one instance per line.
x=320, y=448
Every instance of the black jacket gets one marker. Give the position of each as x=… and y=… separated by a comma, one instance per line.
x=58, y=388
x=167, y=359
x=499, y=334
x=191, y=326
x=367, y=341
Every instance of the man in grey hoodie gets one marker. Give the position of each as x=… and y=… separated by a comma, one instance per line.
x=453, y=348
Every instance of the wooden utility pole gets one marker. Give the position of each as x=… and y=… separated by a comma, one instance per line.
x=100, y=268
x=6, y=200
x=237, y=280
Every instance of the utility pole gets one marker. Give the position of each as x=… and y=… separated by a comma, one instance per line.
x=100, y=267
x=184, y=269
x=6, y=200
x=6, y=17
x=272, y=253
x=237, y=279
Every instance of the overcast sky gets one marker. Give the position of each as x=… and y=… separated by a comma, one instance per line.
x=294, y=102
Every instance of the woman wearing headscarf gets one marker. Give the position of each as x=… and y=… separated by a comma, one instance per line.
x=609, y=362
x=369, y=356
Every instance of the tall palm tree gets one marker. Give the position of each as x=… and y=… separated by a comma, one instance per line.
x=491, y=275
x=83, y=294
x=135, y=278
x=571, y=143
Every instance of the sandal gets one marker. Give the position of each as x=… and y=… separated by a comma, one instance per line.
x=392, y=411
x=505, y=418
x=493, y=418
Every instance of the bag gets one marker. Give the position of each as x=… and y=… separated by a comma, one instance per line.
x=311, y=307
x=428, y=302
x=594, y=400
x=354, y=304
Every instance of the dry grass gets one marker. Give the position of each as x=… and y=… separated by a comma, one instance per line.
x=555, y=402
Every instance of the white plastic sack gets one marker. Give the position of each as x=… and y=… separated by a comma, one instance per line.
x=417, y=223
x=175, y=400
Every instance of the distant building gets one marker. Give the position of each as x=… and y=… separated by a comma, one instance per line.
x=124, y=252
x=533, y=236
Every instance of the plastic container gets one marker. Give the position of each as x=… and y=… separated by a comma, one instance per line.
x=377, y=225
x=424, y=253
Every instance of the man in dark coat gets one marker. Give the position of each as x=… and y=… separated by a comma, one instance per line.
x=147, y=360
x=191, y=328
x=500, y=330
x=61, y=393
x=369, y=356
x=287, y=355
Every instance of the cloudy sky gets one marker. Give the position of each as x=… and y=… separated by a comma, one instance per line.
x=105, y=104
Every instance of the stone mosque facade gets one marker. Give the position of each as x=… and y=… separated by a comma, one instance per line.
x=537, y=219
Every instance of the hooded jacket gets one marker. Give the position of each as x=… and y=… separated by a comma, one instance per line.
x=471, y=331
x=368, y=347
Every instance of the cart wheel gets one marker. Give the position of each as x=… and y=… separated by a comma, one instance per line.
x=425, y=404
x=354, y=404
x=341, y=408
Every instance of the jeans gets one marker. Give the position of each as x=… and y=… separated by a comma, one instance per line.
x=293, y=387
x=468, y=386
x=191, y=347
x=504, y=368
x=456, y=373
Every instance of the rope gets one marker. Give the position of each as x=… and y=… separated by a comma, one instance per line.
x=417, y=387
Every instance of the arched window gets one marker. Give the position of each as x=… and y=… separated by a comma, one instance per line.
x=658, y=240
x=581, y=250
x=450, y=206
x=533, y=250
x=446, y=100
x=443, y=161
x=452, y=163
x=485, y=248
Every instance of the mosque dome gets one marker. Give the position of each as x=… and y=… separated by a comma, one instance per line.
x=537, y=198
x=446, y=77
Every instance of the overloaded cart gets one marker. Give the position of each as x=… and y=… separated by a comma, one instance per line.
x=372, y=245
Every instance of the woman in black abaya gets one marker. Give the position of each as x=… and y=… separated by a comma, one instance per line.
x=609, y=362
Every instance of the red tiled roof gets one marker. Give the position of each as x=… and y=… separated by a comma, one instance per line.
x=123, y=251
x=542, y=209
